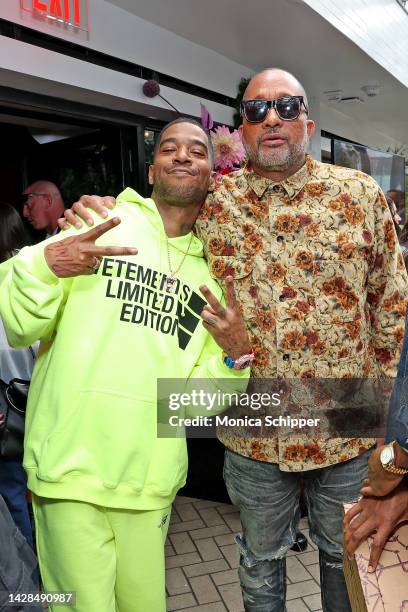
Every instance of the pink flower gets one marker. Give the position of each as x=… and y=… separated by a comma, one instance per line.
x=228, y=148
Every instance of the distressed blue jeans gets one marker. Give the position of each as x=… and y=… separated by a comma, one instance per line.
x=268, y=500
x=17, y=563
x=13, y=488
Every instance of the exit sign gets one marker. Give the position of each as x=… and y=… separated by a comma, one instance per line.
x=74, y=13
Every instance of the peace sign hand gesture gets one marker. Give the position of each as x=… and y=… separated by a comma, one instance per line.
x=78, y=255
x=226, y=325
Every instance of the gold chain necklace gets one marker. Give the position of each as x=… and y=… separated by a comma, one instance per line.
x=171, y=280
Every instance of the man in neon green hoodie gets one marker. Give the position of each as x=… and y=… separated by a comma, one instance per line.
x=103, y=482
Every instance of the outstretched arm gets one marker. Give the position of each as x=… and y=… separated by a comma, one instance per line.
x=34, y=284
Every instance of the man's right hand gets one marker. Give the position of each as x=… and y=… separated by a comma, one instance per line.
x=375, y=515
x=79, y=255
x=78, y=213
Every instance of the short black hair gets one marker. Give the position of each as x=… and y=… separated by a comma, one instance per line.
x=193, y=122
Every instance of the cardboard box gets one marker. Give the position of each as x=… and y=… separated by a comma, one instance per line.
x=386, y=590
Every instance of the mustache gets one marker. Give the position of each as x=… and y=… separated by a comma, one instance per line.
x=272, y=132
x=171, y=168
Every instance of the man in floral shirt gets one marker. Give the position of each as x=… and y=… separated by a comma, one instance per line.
x=319, y=273
x=322, y=282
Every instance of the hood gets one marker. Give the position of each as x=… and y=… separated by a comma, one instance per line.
x=181, y=243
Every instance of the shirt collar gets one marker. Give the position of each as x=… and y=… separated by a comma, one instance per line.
x=292, y=185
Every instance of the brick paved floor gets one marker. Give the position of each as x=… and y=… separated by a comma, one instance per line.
x=202, y=561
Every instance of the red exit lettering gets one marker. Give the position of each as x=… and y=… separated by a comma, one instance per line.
x=68, y=10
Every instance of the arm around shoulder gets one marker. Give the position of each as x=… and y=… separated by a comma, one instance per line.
x=31, y=296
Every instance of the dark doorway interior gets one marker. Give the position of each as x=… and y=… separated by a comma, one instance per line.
x=78, y=159
x=206, y=460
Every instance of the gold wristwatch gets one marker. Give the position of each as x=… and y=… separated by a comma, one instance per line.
x=387, y=459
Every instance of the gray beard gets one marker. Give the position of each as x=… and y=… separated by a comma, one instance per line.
x=277, y=160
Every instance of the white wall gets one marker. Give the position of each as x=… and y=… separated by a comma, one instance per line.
x=336, y=122
x=378, y=27
x=25, y=67
x=121, y=34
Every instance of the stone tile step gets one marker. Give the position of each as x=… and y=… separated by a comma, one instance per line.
x=200, y=504
x=180, y=602
x=176, y=582
x=233, y=521
x=211, y=517
x=204, y=589
x=309, y=558
x=301, y=589
x=224, y=540
x=208, y=567
x=295, y=570
x=231, y=554
x=231, y=595
x=208, y=532
x=169, y=550
x=181, y=499
x=226, y=508
x=313, y=602
x=226, y=577
x=296, y=605
x=182, y=543
x=187, y=512
x=185, y=526
x=182, y=560
x=208, y=549
x=212, y=607
x=314, y=570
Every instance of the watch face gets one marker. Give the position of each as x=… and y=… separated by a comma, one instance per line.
x=387, y=455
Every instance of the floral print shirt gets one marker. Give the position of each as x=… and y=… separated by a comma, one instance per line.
x=321, y=282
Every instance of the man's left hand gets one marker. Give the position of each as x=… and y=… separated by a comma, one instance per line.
x=379, y=481
x=381, y=515
x=226, y=324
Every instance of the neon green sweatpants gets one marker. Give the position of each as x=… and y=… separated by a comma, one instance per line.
x=112, y=559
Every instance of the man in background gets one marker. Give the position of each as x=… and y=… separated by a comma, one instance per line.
x=43, y=206
x=384, y=505
x=398, y=198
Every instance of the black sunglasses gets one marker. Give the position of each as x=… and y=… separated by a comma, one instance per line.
x=287, y=108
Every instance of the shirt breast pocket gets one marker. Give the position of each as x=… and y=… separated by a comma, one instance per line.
x=339, y=289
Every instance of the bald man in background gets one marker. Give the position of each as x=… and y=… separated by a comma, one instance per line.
x=43, y=206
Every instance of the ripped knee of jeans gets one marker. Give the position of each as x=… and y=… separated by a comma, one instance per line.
x=255, y=573
x=249, y=559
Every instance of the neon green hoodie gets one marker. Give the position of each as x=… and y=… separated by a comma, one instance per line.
x=91, y=425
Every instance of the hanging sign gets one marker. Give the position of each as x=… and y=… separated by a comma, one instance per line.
x=74, y=13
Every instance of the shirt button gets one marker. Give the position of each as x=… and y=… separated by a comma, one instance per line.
x=282, y=298
x=286, y=357
x=280, y=238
